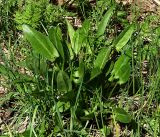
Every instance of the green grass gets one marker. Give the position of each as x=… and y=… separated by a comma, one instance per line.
x=100, y=79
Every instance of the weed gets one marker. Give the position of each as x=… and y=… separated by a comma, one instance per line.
x=77, y=81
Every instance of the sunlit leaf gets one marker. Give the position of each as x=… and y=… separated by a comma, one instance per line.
x=85, y=33
x=121, y=70
x=40, y=43
x=100, y=61
x=102, y=57
x=71, y=53
x=86, y=27
x=121, y=115
x=71, y=31
x=77, y=42
x=124, y=37
x=95, y=72
x=55, y=37
x=104, y=22
x=80, y=37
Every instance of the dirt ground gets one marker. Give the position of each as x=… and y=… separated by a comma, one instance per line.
x=143, y=5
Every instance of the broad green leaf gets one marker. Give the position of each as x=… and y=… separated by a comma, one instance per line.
x=63, y=82
x=59, y=32
x=85, y=33
x=55, y=37
x=124, y=37
x=100, y=61
x=71, y=53
x=104, y=22
x=102, y=57
x=121, y=115
x=85, y=27
x=121, y=70
x=95, y=72
x=80, y=37
x=77, y=42
x=71, y=32
x=40, y=43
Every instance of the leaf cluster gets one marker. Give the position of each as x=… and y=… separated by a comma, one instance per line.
x=73, y=73
x=36, y=13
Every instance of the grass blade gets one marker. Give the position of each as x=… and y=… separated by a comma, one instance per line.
x=32, y=124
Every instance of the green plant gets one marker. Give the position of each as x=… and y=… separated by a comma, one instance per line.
x=76, y=80
x=37, y=13
x=60, y=69
x=31, y=15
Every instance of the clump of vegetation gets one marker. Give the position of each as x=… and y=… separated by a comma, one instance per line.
x=36, y=13
x=99, y=79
